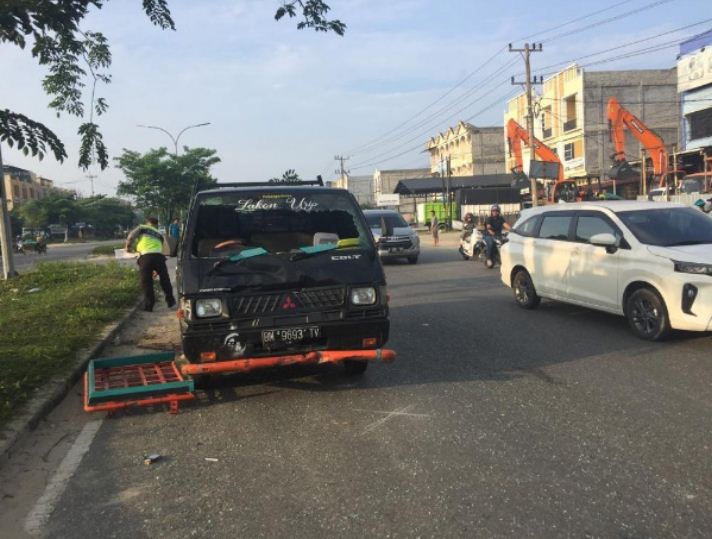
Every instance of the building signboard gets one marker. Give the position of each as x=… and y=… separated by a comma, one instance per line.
x=694, y=70
x=388, y=200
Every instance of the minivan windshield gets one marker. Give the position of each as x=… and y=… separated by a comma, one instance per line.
x=248, y=222
x=668, y=227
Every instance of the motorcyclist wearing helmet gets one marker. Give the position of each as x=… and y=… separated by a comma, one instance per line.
x=494, y=225
x=468, y=226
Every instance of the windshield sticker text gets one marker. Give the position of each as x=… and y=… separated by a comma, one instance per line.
x=293, y=203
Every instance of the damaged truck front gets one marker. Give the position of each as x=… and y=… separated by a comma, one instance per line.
x=271, y=275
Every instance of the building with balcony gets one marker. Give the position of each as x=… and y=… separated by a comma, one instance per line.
x=694, y=84
x=471, y=150
x=24, y=185
x=571, y=115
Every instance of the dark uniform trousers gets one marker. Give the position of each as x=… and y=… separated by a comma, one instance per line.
x=149, y=263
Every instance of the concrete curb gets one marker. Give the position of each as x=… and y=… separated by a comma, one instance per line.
x=52, y=393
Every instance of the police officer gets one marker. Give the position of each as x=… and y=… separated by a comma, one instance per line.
x=148, y=242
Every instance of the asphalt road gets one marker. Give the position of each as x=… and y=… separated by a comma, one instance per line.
x=56, y=252
x=493, y=422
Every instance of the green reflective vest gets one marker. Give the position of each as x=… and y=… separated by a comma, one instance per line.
x=149, y=241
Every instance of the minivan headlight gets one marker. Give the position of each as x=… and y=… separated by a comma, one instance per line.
x=693, y=267
x=363, y=296
x=208, y=308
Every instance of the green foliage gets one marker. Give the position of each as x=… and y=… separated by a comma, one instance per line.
x=313, y=16
x=29, y=136
x=161, y=181
x=43, y=331
x=56, y=208
x=105, y=214
x=75, y=59
x=72, y=57
x=289, y=176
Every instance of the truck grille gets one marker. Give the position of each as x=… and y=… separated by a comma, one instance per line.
x=314, y=299
x=320, y=298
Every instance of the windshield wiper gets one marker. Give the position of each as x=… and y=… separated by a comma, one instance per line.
x=242, y=255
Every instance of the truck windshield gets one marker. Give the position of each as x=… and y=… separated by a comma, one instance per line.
x=277, y=222
x=668, y=227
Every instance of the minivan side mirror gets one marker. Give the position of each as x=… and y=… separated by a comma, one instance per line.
x=605, y=239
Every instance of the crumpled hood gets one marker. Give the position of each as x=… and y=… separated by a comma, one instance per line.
x=685, y=253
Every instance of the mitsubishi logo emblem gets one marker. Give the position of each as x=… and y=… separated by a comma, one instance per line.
x=288, y=303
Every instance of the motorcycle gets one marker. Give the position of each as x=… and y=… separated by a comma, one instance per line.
x=473, y=247
x=470, y=243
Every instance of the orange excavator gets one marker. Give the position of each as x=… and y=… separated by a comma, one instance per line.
x=516, y=135
x=618, y=120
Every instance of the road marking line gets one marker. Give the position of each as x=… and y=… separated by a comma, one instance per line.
x=388, y=417
x=392, y=413
x=38, y=517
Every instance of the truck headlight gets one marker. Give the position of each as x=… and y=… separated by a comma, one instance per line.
x=363, y=296
x=693, y=267
x=208, y=308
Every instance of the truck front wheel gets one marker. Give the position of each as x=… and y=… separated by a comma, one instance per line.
x=354, y=367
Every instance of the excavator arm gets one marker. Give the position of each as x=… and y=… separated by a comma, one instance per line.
x=516, y=136
x=620, y=119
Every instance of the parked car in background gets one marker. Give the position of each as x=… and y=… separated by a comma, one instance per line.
x=648, y=261
x=394, y=238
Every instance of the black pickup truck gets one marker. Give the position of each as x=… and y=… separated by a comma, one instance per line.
x=272, y=274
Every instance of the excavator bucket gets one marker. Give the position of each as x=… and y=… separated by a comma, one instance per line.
x=622, y=170
x=520, y=180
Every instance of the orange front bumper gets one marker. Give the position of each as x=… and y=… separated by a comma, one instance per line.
x=323, y=356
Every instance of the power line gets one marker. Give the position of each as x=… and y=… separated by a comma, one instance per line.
x=380, y=138
x=423, y=134
x=485, y=109
x=618, y=17
x=434, y=115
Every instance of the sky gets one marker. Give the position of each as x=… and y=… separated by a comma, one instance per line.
x=279, y=98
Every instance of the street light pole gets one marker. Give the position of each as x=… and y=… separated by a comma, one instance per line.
x=176, y=138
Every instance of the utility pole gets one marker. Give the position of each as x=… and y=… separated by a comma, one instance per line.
x=91, y=178
x=342, y=171
x=8, y=264
x=526, y=51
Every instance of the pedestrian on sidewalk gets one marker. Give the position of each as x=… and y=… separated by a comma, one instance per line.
x=150, y=244
x=434, y=228
x=174, y=236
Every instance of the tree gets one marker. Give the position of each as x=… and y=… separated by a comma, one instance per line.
x=106, y=214
x=163, y=182
x=56, y=208
x=78, y=60
x=289, y=176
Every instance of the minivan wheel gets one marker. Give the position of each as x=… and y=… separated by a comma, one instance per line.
x=524, y=292
x=354, y=367
x=647, y=315
x=413, y=259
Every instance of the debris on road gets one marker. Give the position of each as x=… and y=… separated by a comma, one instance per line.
x=211, y=459
x=151, y=459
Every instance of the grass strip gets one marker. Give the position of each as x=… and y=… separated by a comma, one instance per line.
x=48, y=315
x=106, y=249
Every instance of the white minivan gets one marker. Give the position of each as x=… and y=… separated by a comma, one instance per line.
x=648, y=261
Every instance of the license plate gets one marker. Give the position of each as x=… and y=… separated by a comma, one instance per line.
x=290, y=335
